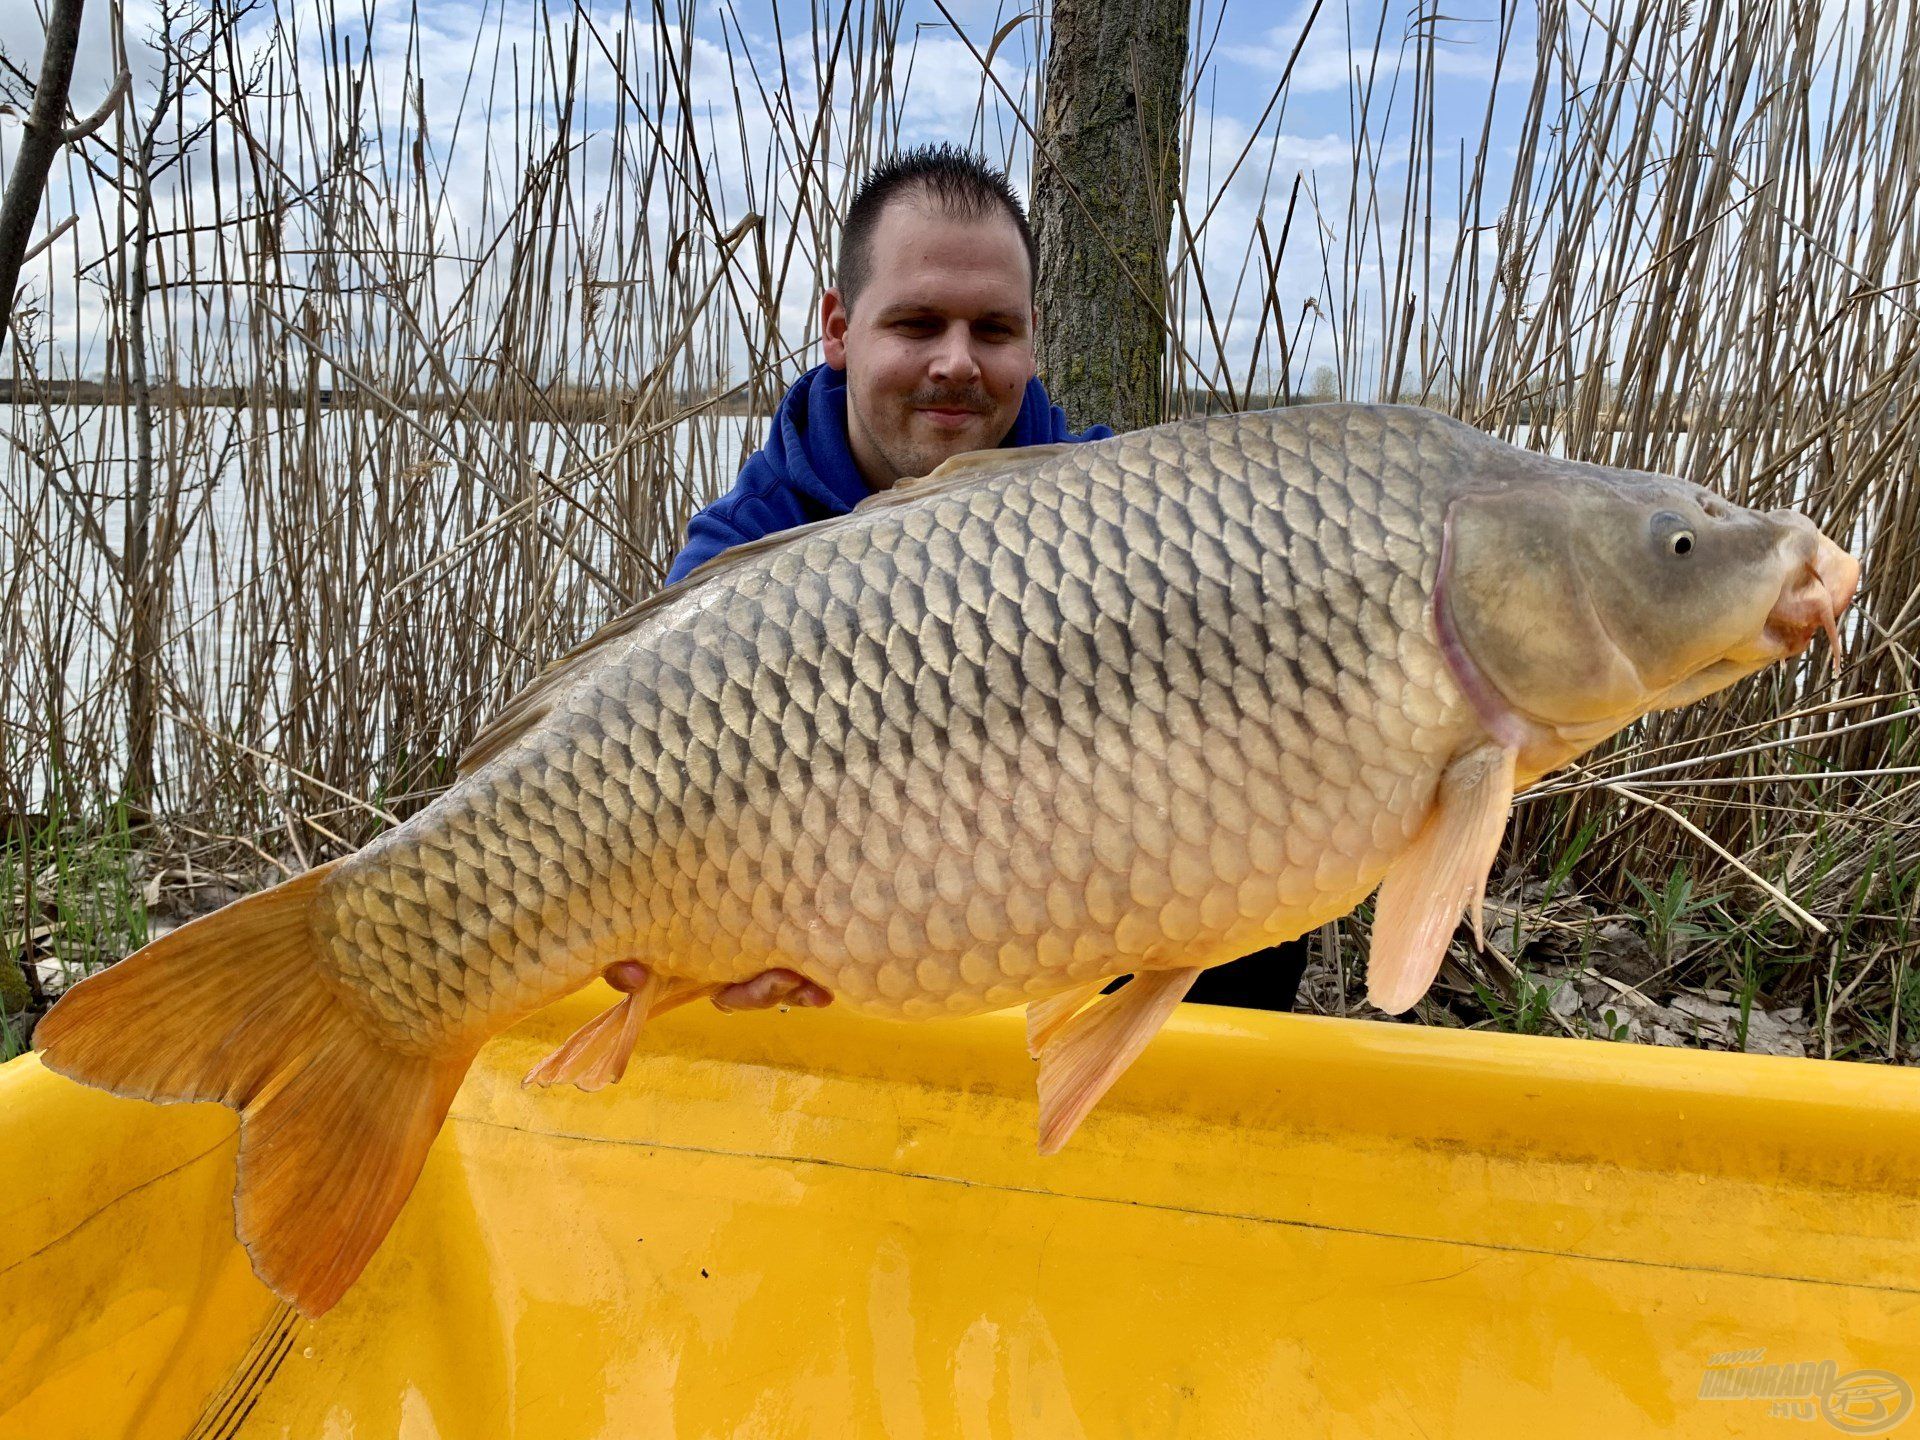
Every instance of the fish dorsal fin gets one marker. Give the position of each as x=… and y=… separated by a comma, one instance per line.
x=535, y=702
x=1441, y=874
x=972, y=462
x=960, y=470
x=1082, y=1057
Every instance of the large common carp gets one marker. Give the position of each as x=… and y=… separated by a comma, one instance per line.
x=1044, y=718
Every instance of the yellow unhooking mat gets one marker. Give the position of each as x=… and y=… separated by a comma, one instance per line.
x=814, y=1225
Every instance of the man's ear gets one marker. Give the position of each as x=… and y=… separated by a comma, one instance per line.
x=833, y=328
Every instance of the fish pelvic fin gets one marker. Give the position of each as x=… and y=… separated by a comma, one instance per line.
x=334, y=1125
x=1443, y=873
x=596, y=1054
x=1083, y=1055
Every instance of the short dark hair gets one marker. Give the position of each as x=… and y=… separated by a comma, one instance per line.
x=960, y=181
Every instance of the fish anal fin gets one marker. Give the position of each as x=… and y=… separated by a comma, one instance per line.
x=596, y=1054
x=677, y=992
x=1440, y=875
x=1045, y=1017
x=1084, y=1056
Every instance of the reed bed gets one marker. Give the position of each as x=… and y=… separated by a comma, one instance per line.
x=394, y=408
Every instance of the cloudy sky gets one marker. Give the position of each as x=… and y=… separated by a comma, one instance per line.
x=471, y=68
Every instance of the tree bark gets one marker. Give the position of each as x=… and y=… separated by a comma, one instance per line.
x=1103, y=199
x=45, y=133
x=143, y=597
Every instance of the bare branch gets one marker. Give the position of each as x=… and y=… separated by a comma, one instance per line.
x=46, y=241
x=80, y=130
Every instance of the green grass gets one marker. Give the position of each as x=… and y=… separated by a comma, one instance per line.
x=1527, y=1012
x=1673, y=913
x=69, y=893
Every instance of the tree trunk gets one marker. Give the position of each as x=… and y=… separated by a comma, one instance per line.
x=45, y=133
x=1104, y=189
x=143, y=599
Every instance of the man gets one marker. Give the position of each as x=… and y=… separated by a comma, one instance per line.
x=928, y=337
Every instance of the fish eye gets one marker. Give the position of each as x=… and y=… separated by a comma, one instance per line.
x=1672, y=533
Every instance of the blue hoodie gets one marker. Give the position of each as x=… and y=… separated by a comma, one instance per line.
x=806, y=470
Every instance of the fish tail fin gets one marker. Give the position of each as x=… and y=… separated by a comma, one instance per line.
x=334, y=1125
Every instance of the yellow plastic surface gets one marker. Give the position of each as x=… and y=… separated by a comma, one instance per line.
x=809, y=1224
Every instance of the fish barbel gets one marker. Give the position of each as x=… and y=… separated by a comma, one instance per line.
x=1043, y=718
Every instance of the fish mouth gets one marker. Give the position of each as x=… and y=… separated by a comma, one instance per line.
x=1812, y=601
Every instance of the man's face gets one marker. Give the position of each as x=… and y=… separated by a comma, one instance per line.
x=938, y=348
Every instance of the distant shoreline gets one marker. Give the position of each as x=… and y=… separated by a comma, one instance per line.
x=575, y=403
x=569, y=402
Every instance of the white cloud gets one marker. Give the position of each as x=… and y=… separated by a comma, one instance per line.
x=1335, y=56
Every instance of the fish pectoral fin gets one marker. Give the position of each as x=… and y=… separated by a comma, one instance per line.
x=1045, y=1017
x=1082, y=1057
x=596, y=1054
x=1441, y=874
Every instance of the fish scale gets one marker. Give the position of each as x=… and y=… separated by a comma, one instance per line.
x=1147, y=703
